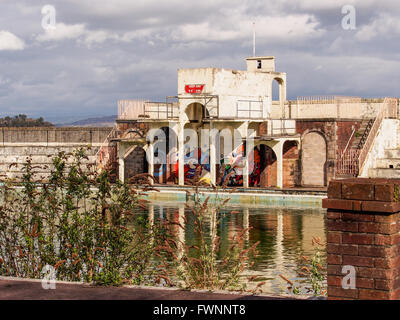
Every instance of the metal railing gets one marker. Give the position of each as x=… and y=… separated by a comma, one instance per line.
x=326, y=99
x=283, y=129
x=347, y=163
x=365, y=135
x=389, y=110
x=107, y=153
x=161, y=110
x=247, y=109
x=144, y=109
x=348, y=142
x=351, y=162
x=210, y=103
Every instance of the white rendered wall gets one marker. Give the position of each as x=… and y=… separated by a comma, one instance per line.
x=230, y=86
x=386, y=138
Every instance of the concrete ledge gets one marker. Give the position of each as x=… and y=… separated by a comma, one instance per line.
x=296, y=198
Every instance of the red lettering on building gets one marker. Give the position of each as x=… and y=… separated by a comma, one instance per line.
x=194, y=88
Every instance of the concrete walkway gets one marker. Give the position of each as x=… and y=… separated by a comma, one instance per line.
x=270, y=190
x=16, y=289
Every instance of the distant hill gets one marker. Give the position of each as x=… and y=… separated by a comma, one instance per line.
x=107, y=121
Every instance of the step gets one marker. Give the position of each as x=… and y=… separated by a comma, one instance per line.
x=344, y=176
x=392, y=153
x=393, y=163
x=384, y=173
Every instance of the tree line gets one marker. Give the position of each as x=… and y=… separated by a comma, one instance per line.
x=22, y=120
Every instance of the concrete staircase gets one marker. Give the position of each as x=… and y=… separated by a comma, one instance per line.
x=356, y=144
x=389, y=165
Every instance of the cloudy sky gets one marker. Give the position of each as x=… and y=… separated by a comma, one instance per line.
x=101, y=51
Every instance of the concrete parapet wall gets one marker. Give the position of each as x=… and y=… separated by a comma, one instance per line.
x=338, y=110
x=42, y=144
x=73, y=135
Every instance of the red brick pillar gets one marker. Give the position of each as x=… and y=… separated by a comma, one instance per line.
x=364, y=233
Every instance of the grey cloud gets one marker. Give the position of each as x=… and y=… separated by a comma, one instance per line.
x=132, y=49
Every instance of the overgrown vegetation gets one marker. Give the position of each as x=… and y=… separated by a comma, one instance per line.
x=204, y=264
x=313, y=272
x=89, y=229
x=78, y=222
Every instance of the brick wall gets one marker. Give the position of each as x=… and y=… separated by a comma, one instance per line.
x=291, y=170
x=135, y=163
x=124, y=126
x=269, y=167
x=336, y=134
x=344, y=130
x=263, y=129
x=364, y=232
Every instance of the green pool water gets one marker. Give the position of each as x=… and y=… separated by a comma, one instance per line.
x=285, y=236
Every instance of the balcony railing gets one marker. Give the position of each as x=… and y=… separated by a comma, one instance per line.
x=161, y=110
x=327, y=99
x=247, y=109
x=283, y=127
x=144, y=109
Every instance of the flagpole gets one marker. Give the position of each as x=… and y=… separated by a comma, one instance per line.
x=254, y=39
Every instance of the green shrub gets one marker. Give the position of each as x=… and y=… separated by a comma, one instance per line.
x=77, y=222
x=205, y=265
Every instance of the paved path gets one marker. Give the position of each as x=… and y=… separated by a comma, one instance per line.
x=32, y=290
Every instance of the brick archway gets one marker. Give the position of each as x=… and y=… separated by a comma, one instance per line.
x=313, y=160
x=135, y=163
x=290, y=164
x=269, y=167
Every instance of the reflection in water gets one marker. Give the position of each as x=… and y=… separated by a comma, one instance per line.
x=284, y=234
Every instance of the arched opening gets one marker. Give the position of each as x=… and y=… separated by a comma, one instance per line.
x=290, y=164
x=194, y=115
x=224, y=148
x=192, y=153
x=268, y=167
x=196, y=112
x=254, y=167
x=232, y=169
x=135, y=163
x=165, y=149
x=276, y=85
x=279, y=95
x=313, y=160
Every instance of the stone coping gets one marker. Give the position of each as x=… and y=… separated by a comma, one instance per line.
x=56, y=128
x=364, y=194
